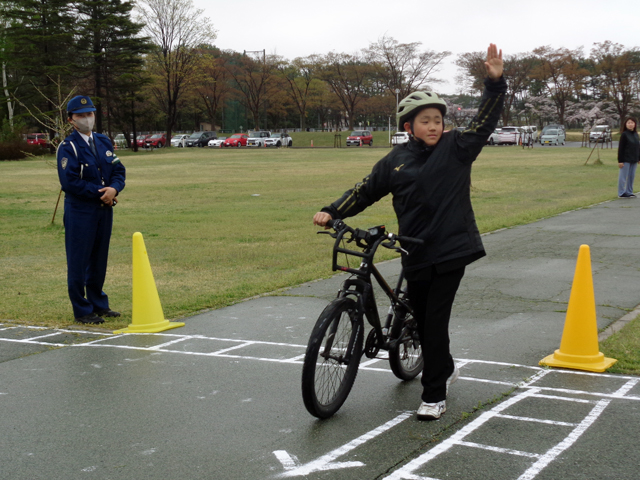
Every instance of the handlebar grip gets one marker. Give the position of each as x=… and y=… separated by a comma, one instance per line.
x=416, y=241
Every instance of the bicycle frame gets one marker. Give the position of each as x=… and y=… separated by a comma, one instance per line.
x=361, y=286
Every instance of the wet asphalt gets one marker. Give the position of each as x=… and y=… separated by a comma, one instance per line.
x=220, y=398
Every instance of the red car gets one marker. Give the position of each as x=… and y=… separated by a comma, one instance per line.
x=38, y=139
x=157, y=140
x=360, y=137
x=141, y=140
x=236, y=140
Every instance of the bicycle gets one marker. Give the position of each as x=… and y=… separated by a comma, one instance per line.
x=335, y=346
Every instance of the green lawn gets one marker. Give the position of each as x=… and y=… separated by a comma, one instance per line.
x=223, y=225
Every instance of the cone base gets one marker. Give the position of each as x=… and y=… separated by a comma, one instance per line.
x=150, y=328
x=577, y=362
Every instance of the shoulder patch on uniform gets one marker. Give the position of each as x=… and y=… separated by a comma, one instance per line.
x=63, y=162
x=109, y=153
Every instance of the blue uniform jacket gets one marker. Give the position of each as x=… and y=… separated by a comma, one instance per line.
x=82, y=174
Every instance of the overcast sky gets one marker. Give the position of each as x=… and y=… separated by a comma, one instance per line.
x=300, y=28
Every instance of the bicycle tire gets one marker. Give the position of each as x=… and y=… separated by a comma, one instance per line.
x=326, y=377
x=405, y=357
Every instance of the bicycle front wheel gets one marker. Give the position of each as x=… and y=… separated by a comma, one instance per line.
x=405, y=357
x=332, y=358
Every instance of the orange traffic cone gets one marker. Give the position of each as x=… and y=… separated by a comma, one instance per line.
x=147, y=315
x=579, y=345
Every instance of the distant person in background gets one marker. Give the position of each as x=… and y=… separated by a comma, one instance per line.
x=628, y=156
x=91, y=176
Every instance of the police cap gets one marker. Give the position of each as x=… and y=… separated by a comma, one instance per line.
x=80, y=104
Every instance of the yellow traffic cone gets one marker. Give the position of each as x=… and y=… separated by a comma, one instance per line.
x=147, y=315
x=579, y=344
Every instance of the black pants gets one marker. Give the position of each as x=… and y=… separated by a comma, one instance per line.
x=432, y=301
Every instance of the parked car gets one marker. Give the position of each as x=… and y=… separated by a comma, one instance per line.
x=200, y=139
x=256, y=139
x=236, y=140
x=217, y=142
x=360, y=137
x=157, y=140
x=494, y=138
x=600, y=133
x=179, y=140
x=553, y=136
x=38, y=139
x=140, y=141
x=399, y=138
x=551, y=126
x=120, y=141
x=509, y=136
x=278, y=140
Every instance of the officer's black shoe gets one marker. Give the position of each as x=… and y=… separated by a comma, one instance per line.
x=107, y=313
x=91, y=319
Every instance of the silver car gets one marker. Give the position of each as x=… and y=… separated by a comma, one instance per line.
x=553, y=136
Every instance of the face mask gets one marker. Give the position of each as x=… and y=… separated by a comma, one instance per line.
x=84, y=124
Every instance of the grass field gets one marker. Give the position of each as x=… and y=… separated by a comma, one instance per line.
x=223, y=225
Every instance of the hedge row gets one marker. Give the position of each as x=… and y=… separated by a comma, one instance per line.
x=19, y=149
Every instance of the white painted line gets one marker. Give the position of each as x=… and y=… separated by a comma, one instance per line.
x=295, y=359
x=594, y=394
x=566, y=399
x=27, y=342
x=286, y=460
x=172, y=342
x=406, y=472
x=537, y=420
x=500, y=450
x=622, y=391
x=326, y=462
x=484, y=380
x=553, y=453
x=225, y=350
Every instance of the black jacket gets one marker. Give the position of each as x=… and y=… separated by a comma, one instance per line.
x=430, y=187
x=629, y=147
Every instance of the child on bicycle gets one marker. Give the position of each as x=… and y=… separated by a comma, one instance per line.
x=430, y=178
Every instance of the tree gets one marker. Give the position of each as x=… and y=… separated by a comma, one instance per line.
x=39, y=46
x=176, y=28
x=562, y=75
x=473, y=71
x=517, y=74
x=111, y=49
x=303, y=84
x=617, y=69
x=213, y=84
x=403, y=66
x=252, y=75
x=347, y=76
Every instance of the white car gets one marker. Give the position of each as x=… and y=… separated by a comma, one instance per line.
x=494, y=138
x=257, y=139
x=553, y=136
x=509, y=135
x=217, y=142
x=278, y=140
x=179, y=140
x=399, y=138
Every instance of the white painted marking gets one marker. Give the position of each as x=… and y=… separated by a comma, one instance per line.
x=537, y=420
x=172, y=342
x=622, y=391
x=44, y=336
x=553, y=453
x=406, y=472
x=326, y=462
x=288, y=462
x=499, y=449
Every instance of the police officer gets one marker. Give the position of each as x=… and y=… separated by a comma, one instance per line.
x=91, y=176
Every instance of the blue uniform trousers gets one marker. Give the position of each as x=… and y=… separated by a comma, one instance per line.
x=87, y=235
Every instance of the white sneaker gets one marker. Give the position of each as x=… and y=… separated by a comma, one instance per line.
x=453, y=377
x=431, y=411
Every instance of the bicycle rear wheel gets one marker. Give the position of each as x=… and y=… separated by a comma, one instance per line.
x=332, y=358
x=405, y=357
